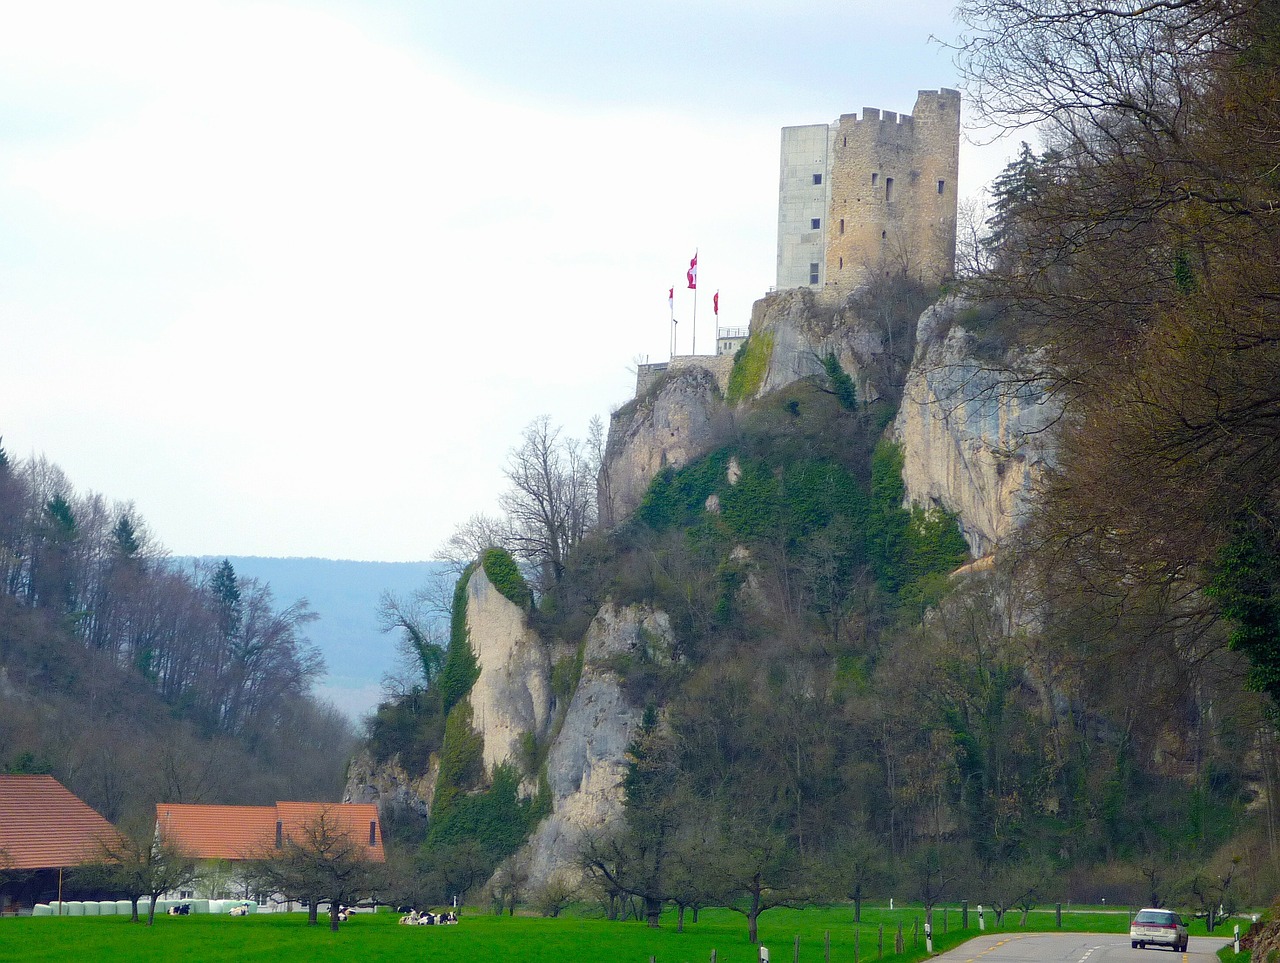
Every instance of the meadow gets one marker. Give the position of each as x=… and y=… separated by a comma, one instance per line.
x=826, y=935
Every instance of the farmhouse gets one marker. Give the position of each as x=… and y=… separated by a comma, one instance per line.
x=44, y=829
x=223, y=838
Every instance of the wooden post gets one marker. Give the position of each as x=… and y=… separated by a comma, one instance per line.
x=944, y=919
x=1058, y=913
x=857, y=932
x=826, y=946
x=796, y=957
x=713, y=956
x=964, y=914
x=881, y=943
x=899, y=945
x=915, y=932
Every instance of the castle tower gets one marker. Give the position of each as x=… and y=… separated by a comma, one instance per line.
x=875, y=194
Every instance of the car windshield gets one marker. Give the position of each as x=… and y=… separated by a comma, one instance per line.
x=1150, y=916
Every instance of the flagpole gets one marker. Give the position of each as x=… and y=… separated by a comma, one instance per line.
x=671, y=307
x=695, y=307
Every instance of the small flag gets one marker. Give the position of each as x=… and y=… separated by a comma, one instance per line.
x=715, y=304
x=693, y=272
x=671, y=297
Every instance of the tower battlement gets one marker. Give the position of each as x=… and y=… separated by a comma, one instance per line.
x=870, y=194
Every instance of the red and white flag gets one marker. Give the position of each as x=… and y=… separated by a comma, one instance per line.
x=693, y=272
x=671, y=297
x=715, y=304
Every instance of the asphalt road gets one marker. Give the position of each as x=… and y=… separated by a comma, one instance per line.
x=1077, y=948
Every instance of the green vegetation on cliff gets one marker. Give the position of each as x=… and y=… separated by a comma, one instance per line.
x=501, y=569
x=750, y=364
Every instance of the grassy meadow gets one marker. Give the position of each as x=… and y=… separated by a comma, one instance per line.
x=371, y=938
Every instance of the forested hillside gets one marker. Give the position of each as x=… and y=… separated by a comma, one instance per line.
x=134, y=680
x=821, y=700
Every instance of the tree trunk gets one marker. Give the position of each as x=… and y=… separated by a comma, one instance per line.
x=313, y=912
x=680, y=918
x=134, y=901
x=333, y=916
x=652, y=911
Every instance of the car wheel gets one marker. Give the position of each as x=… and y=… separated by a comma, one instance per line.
x=1134, y=944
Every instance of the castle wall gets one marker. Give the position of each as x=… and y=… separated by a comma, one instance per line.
x=719, y=365
x=890, y=196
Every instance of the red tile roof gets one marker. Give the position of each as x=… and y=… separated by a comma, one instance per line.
x=245, y=832
x=43, y=825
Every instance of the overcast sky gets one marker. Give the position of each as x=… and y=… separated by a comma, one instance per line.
x=292, y=277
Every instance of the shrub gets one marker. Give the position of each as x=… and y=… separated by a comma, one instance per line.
x=845, y=390
x=501, y=569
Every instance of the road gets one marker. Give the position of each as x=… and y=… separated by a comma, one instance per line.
x=1077, y=948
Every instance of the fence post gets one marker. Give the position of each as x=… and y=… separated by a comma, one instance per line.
x=796, y=955
x=898, y=944
x=1058, y=913
x=826, y=946
x=880, y=944
x=944, y=920
x=713, y=956
x=964, y=914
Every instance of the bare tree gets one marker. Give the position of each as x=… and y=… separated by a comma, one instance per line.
x=470, y=540
x=419, y=635
x=551, y=503
x=140, y=862
x=321, y=860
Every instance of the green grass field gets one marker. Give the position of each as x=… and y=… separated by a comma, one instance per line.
x=569, y=939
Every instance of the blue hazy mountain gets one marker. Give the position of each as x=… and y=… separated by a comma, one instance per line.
x=344, y=595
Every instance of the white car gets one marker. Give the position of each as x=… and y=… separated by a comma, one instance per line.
x=1158, y=927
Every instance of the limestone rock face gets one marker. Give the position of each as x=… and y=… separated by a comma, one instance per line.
x=669, y=426
x=587, y=762
x=976, y=432
x=512, y=695
x=804, y=329
x=388, y=785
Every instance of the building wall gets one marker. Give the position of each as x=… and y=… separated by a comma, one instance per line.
x=801, y=201
x=720, y=366
x=890, y=196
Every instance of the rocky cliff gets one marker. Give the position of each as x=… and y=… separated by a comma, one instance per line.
x=512, y=695
x=976, y=428
x=587, y=762
x=671, y=424
x=803, y=330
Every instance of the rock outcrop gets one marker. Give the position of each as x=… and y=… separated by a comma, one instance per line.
x=803, y=330
x=976, y=432
x=587, y=762
x=389, y=785
x=512, y=695
x=669, y=426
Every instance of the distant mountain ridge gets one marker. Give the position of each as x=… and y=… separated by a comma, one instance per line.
x=344, y=594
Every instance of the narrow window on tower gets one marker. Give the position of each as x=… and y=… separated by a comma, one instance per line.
x=817, y=178
x=842, y=264
x=842, y=225
x=941, y=186
x=813, y=272
x=888, y=189
x=815, y=222
x=874, y=178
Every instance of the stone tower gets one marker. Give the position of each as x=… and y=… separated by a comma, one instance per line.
x=875, y=193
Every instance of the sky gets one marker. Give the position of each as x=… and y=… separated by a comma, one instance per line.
x=292, y=277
